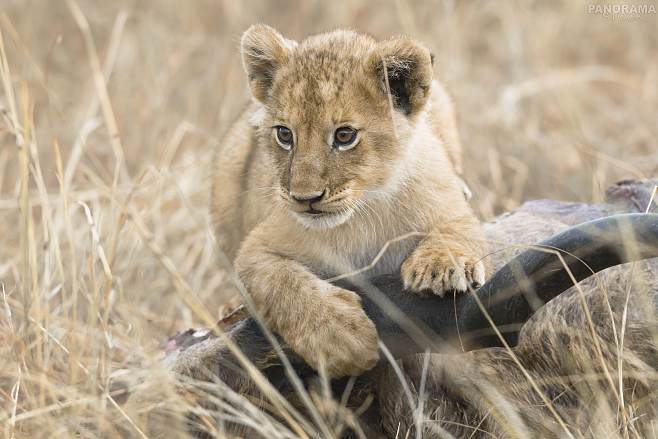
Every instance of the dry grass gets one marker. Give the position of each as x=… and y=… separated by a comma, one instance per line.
x=110, y=111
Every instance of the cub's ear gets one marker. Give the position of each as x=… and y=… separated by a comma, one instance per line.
x=263, y=52
x=403, y=67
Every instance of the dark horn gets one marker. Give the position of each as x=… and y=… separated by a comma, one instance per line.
x=513, y=293
x=534, y=277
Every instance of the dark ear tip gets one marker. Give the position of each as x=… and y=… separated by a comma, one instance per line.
x=431, y=58
x=408, y=66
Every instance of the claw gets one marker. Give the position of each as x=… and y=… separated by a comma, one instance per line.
x=423, y=272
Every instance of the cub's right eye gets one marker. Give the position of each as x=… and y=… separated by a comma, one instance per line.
x=284, y=137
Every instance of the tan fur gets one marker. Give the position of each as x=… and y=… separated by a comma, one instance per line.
x=401, y=177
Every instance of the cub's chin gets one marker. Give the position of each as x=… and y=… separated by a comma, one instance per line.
x=322, y=221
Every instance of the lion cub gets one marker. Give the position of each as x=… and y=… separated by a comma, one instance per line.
x=347, y=145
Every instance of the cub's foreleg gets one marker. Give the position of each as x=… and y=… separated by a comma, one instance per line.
x=324, y=324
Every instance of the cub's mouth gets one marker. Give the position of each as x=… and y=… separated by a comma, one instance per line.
x=318, y=218
x=314, y=212
x=322, y=211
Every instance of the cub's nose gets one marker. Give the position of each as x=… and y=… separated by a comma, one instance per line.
x=307, y=197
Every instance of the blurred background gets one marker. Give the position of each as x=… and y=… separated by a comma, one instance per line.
x=111, y=111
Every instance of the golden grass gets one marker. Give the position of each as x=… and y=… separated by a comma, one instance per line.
x=110, y=112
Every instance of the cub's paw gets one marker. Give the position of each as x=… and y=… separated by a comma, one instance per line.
x=435, y=269
x=342, y=340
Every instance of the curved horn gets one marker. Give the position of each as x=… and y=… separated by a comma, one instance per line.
x=514, y=292
x=538, y=275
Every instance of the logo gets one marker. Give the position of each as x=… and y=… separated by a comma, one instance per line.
x=621, y=11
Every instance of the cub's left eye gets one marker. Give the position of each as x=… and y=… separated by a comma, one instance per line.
x=345, y=138
x=284, y=137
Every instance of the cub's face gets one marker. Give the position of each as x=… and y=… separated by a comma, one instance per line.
x=336, y=114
